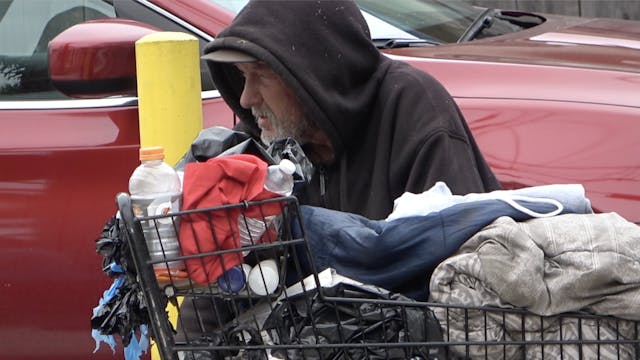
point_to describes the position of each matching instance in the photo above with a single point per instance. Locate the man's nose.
(250, 95)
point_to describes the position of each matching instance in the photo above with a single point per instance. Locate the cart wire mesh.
(249, 289)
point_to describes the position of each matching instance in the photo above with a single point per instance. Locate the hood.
(604, 44)
(321, 49)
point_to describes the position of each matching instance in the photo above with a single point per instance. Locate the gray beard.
(280, 133)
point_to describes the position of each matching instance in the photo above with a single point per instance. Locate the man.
(373, 127)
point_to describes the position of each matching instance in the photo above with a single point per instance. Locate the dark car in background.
(550, 99)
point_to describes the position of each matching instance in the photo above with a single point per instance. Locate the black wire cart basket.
(242, 285)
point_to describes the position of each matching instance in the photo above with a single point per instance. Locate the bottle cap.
(263, 278)
(152, 153)
(287, 166)
(233, 280)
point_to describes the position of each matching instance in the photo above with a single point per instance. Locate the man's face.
(278, 112)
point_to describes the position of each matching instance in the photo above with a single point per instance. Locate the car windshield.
(427, 22)
(438, 21)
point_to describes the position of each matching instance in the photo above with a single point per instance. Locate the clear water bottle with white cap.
(279, 177)
(279, 180)
(155, 189)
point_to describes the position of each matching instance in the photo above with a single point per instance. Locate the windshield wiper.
(399, 43)
(481, 22)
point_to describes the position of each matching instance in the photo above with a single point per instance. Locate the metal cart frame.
(306, 319)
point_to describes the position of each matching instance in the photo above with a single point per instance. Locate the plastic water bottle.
(279, 180)
(279, 177)
(155, 189)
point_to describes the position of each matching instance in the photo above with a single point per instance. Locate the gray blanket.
(550, 266)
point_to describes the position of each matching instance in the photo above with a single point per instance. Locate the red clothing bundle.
(219, 181)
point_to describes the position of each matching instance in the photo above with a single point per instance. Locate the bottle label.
(161, 208)
(144, 206)
(161, 233)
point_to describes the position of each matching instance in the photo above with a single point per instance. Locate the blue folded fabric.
(398, 255)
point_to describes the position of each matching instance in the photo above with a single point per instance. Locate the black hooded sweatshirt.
(393, 128)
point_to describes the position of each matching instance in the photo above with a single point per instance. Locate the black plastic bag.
(357, 318)
(122, 311)
(291, 150)
(218, 141)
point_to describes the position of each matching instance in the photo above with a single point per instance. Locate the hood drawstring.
(343, 181)
(322, 177)
(323, 189)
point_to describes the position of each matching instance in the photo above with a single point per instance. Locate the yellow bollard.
(169, 92)
(169, 99)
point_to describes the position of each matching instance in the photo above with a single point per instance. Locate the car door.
(62, 161)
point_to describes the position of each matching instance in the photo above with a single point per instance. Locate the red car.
(550, 99)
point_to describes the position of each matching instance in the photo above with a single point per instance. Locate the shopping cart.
(227, 311)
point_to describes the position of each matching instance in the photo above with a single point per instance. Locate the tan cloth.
(586, 262)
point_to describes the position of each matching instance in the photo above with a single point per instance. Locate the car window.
(443, 21)
(26, 27)
(440, 20)
(379, 28)
(232, 5)
(432, 21)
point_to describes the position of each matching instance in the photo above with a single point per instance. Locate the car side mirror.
(96, 58)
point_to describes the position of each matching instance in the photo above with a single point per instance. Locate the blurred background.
(621, 9)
